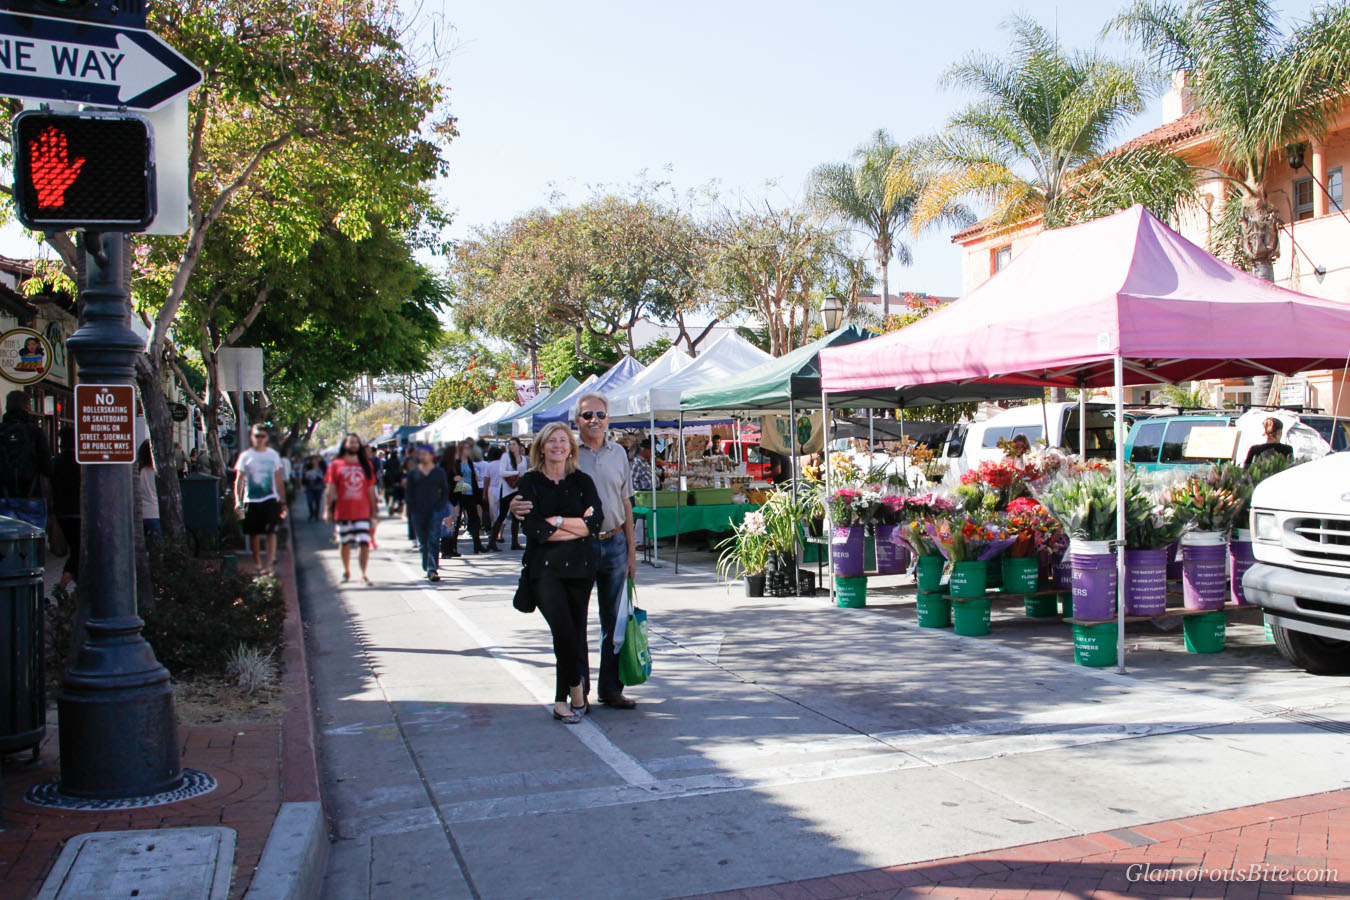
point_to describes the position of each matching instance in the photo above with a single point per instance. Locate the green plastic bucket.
(968, 579)
(971, 617)
(1205, 634)
(935, 610)
(928, 573)
(1021, 575)
(1044, 606)
(851, 593)
(1095, 645)
(1270, 635)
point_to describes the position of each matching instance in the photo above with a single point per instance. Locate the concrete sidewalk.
(778, 740)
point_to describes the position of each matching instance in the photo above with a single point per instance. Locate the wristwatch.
(557, 521)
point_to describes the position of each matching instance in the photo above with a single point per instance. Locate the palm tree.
(1259, 90)
(1033, 144)
(855, 194)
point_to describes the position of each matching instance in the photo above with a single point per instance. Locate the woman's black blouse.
(568, 498)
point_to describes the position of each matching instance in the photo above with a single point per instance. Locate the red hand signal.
(53, 170)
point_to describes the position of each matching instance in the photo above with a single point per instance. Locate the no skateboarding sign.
(105, 423)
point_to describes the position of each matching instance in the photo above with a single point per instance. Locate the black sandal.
(573, 719)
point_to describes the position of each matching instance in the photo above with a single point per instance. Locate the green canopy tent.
(540, 403)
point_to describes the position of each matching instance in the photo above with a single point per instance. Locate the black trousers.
(505, 513)
(469, 508)
(564, 602)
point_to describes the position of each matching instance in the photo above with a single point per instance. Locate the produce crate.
(663, 498)
(710, 496)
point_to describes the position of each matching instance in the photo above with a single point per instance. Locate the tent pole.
(825, 457)
(904, 457)
(679, 484)
(1045, 422)
(656, 553)
(792, 473)
(1120, 514)
(871, 438)
(1082, 421)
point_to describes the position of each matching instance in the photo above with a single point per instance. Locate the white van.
(981, 439)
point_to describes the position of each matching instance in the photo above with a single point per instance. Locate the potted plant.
(1240, 557)
(746, 552)
(849, 511)
(1083, 501)
(1152, 526)
(1210, 509)
(1037, 537)
(968, 543)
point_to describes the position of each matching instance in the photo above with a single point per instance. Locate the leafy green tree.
(479, 385)
(560, 359)
(650, 353)
(1259, 88)
(1043, 114)
(311, 116)
(773, 262)
(856, 194)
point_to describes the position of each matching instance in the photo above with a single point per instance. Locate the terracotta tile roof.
(1180, 129)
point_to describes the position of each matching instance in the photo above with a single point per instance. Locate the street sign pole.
(117, 731)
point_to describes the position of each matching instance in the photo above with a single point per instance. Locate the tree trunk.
(1261, 239)
(885, 287)
(159, 423)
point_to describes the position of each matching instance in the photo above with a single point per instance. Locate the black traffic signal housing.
(127, 13)
(83, 170)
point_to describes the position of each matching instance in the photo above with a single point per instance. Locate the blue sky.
(559, 97)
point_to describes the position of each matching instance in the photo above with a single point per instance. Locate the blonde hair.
(537, 447)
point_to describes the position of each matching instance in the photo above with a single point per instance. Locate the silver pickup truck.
(1301, 580)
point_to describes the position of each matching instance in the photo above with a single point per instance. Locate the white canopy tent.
(659, 395)
(487, 416)
(446, 420)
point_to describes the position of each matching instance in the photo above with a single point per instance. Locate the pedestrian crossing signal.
(83, 170)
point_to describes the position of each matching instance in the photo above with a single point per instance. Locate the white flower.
(754, 524)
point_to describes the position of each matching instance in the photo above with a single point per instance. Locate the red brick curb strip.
(296, 854)
(1295, 848)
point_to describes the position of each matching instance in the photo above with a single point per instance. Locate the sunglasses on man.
(600, 414)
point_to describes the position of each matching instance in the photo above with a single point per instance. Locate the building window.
(1335, 188)
(1002, 256)
(1303, 199)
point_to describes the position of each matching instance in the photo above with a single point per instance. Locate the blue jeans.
(314, 497)
(611, 580)
(427, 527)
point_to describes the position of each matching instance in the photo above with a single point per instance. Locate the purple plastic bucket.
(1204, 570)
(1063, 573)
(1240, 559)
(1145, 582)
(1094, 580)
(848, 550)
(892, 552)
(1174, 561)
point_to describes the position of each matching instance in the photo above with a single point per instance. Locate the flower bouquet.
(852, 506)
(1151, 523)
(1084, 503)
(1033, 529)
(968, 539)
(1204, 503)
(992, 486)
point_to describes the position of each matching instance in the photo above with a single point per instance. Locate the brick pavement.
(257, 766)
(1210, 854)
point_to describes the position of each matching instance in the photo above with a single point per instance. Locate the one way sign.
(76, 62)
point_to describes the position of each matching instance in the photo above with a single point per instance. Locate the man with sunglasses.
(606, 462)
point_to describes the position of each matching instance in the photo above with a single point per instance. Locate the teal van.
(1160, 442)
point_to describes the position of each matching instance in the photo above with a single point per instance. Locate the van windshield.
(1101, 434)
(994, 434)
(1335, 432)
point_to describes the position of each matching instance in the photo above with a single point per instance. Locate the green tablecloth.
(718, 518)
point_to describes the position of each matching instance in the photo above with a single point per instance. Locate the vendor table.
(718, 518)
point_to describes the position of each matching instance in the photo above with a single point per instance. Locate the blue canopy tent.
(618, 375)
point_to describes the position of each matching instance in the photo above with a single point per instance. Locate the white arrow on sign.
(130, 67)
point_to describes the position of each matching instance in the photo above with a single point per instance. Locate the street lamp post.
(117, 732)
(832, 313)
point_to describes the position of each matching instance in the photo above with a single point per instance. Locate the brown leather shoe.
(619, 701)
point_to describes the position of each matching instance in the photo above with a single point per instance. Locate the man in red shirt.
(352, 503)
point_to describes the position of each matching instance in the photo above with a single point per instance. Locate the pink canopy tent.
(1077, 298)
(1121, 300)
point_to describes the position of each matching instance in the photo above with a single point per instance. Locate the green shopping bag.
(635, 659)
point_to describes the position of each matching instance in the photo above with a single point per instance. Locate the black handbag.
(524, 598)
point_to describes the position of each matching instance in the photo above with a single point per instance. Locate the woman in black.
(427, 490)
(561, 556)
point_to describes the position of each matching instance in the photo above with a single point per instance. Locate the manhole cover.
(48, 793)
(159, 864)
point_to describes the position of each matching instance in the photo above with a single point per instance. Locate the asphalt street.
(778, 739)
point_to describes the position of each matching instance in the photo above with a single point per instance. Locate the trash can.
(201, 507)
(23, 700)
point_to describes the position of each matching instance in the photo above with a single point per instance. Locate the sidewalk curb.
(293, 861)
(295, 857)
